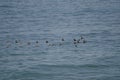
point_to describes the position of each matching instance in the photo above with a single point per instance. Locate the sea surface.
(26, 25)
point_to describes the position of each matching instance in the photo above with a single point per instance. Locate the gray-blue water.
(28, 21)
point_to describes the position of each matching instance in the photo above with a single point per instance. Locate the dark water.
(40, 20)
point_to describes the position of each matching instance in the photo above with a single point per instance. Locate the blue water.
(28, 21)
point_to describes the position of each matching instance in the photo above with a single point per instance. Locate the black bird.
(74, 39)
(75, 42)
(82, 37)
(46, 41)
(37, 42)
(60, 44)
(16, 41)
(84, 41)
(28, 43)
(75, 45)
(63, 39)
(78, 41)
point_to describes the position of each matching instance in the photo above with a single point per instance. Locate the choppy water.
(40, 20)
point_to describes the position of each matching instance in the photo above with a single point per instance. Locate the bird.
(63, 39)
(46, 41)
(78, 41)
(60, 44)
(74, 39)
(75, 42)
(84, 41)
(28, 43)
(16, 41)
(75, 45)
(82, 38)
(37, 42)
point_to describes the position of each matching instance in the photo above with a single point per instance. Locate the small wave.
(76, 66)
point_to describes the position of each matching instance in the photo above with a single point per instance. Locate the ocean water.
(28, 21)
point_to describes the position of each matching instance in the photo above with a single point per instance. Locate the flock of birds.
(75, 42)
